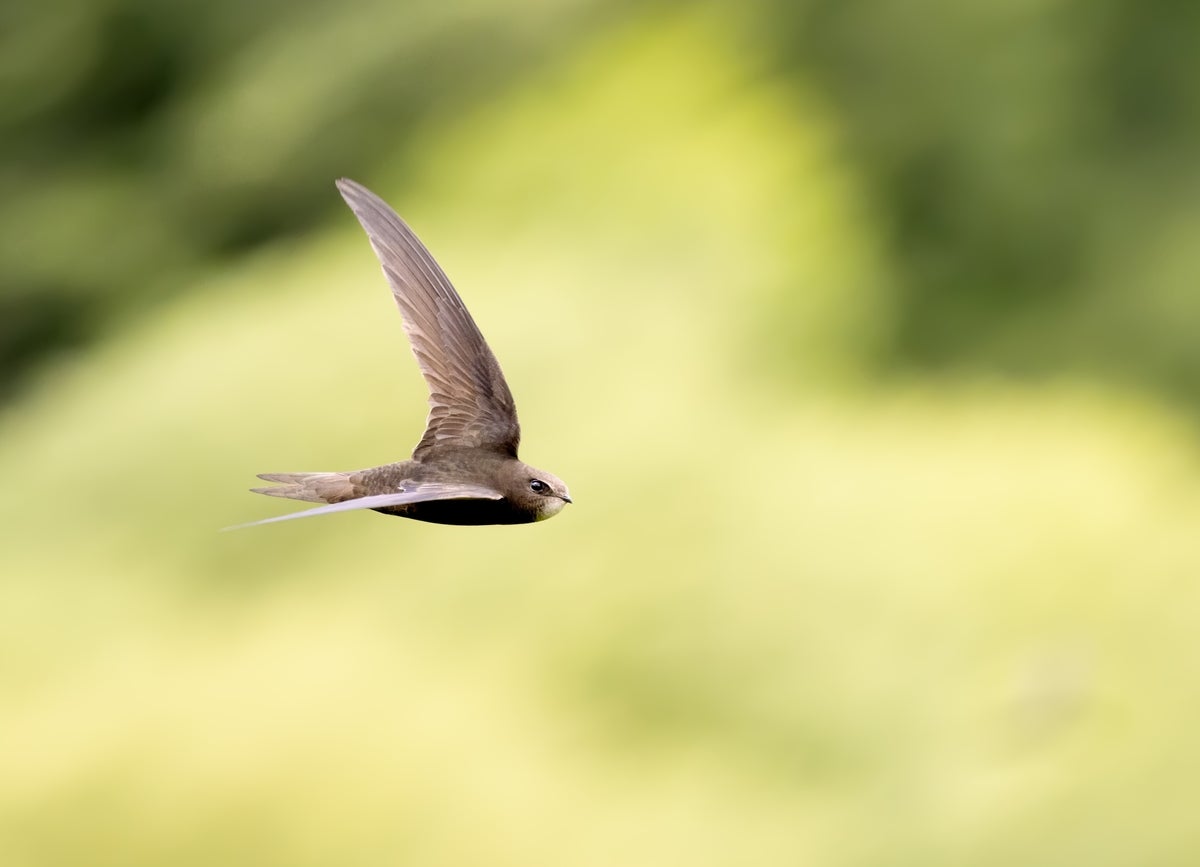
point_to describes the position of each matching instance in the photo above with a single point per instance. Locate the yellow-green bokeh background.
(819, 600)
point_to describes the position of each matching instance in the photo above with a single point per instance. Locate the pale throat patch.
(550, 508)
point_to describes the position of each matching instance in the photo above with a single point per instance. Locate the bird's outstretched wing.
(469, 401)
(422, 493)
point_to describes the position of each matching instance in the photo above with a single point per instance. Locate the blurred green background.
(863, 332)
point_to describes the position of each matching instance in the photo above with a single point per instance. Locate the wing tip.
(352, 191)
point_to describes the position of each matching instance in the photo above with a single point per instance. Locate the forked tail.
(313, 487)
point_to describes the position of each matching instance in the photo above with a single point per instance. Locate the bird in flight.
(465, 469)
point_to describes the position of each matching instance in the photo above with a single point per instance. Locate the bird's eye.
(537, 486)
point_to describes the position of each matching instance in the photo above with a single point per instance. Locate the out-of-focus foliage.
(1034, 164)
(799, 613)
(142, 141)
(1028, 167)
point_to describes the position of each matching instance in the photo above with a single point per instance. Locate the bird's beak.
(565, 498)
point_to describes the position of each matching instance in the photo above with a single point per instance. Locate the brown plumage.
(465, 468)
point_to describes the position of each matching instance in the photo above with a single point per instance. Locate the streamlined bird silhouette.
(465, 469)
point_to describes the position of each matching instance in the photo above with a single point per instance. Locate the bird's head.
(541, 492)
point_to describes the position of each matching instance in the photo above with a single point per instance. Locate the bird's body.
(465, 469)
(451, 467)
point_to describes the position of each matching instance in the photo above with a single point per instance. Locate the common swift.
(465, 469)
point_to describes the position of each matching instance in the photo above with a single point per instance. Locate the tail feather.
(312, 487)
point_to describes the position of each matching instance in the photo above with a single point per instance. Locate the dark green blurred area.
(863, 334)
(143, 142)
(1031, 165)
